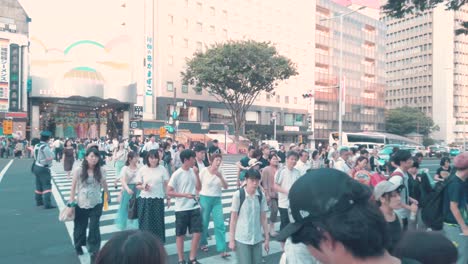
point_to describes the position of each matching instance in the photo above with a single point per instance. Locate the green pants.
(212, 205)
(118, 167)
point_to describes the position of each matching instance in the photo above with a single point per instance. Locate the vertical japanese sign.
(14, 77)
(149, 65)
(4, 74)
(4, 61)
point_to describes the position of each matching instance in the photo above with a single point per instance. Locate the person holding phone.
(152, 182)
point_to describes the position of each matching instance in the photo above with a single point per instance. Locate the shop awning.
(219, 137)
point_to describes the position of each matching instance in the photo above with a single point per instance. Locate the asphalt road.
(30, 234)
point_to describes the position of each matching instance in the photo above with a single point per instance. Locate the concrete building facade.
(427, 68)
(180, 28)
(363, 70)
(14, 66)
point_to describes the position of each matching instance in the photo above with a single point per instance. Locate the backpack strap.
(242, 197)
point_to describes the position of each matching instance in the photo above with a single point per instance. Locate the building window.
(225, 14)
(212, 11)
(170, 86)
(185, 43)
(288, 119)
(212, 29)
(295, 100)
(184, 88)
(252, 117)
(225, 33)
(199, 46)
(171, 41)
(199, 7)
(286, 99)
(171, 19)
(268, 97)
(170, 60)
(278, 99)
(217, 115)
(186, 3)
(186, 23)
(199, 26)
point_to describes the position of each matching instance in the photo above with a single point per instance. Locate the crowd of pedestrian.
(335, 205)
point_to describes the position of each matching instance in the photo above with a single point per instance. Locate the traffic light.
(7, 127)
(308, 95)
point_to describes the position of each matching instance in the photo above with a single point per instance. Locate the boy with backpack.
(248, 217)
(454, 207)
(404, 161)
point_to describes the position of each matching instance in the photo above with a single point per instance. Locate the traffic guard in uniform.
(43, 157)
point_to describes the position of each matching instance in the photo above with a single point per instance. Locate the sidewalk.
(29, 234)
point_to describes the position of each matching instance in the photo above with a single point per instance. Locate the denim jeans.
(452, 232)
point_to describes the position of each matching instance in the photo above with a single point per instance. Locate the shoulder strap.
(242, 197)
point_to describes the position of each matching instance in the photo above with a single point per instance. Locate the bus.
(370, 139)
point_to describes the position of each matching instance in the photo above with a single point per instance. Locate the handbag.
(132, 208)
(67, 214)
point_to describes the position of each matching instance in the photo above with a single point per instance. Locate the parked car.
(454, 151)
(433, 151)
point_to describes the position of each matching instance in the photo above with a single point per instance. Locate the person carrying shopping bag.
(129, 180)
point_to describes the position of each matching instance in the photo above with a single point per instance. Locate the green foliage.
(427, 141)
(405, 120)
(401, 8)
(235, 73)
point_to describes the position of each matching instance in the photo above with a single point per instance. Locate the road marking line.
(5, 170)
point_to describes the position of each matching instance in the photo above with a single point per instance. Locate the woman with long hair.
(152, 181)
(87, 185)
(268, 182)
(68, 157)
(128, 179)
(212, 183)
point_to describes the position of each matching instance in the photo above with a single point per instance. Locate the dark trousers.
(82, 217)
(58, 154)
(284, 217)
(43, 185)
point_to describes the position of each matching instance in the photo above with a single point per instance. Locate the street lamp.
(340, 103)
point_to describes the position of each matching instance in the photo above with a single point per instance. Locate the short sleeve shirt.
(155, 178)
(130, 174)
(211, 185)
(245, 161)
(214, 150)
(184, 181)
(456, 192)
(264, 162)
(249, 226)
(285, 178)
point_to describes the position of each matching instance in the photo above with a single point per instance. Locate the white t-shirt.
(184, 181)
(155, 178)
(150, 146)
(341, 165)
(201, 165)
(130, 174)
(211, 185)
(303, 167)
(285, 178)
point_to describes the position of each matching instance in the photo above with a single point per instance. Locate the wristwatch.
(72, 204)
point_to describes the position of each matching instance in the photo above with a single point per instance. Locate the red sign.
(16, 114)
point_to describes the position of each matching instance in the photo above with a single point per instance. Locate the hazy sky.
(59, 23)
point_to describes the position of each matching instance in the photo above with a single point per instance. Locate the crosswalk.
(61, 191)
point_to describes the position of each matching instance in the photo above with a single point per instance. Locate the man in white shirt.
(184, 185)
(284, 179)
(342, 164)
(332, 150)
(303, 163)
(152, 144)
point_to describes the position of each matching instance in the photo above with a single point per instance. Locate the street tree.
(400, 8)
(405, 120)
(236, 72)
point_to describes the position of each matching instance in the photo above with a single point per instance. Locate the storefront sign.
(149, 65)
(134, 124)
(193, 114)
(4, 61)
(16, 115)
(14, 77)
(291, 128)
(138, 111)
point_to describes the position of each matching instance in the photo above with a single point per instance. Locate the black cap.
(320, 193)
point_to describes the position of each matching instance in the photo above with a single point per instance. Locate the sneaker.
(194, 261)
(182, 262)
(50, 207)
